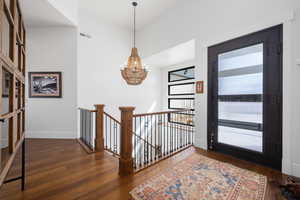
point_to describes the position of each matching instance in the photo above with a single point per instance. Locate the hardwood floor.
(61, 169)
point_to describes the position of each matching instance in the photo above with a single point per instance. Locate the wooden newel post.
(99, 139)
(126, 160)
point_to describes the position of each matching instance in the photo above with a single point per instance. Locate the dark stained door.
(245, 97)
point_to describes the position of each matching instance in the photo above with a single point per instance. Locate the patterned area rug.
(201, 178)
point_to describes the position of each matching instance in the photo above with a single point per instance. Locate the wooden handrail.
(114, 119)
(160, 113)
(126, 134)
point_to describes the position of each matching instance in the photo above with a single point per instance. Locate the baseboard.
(286, 166)
(200, 144)
(296, 169)
(51, 134)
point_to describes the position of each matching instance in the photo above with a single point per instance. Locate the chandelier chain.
(134, 22)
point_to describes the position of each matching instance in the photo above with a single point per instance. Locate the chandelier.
(134, 73)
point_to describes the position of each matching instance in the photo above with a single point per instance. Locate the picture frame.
(45, 84)
(200, 87)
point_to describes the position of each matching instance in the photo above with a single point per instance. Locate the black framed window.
(182, 89)
(181, 95)
(181, 103)
(182, 118)
(182, 74)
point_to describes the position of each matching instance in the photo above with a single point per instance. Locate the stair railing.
(112, 130)
(99, 131)
(138, 140)
(151, 137)
(87, 129)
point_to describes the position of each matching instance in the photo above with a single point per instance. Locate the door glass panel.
(241, 58)
(247, 139)
(241, 111)
(240, 83)
(243, 84)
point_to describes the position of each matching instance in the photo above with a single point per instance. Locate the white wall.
(69, 8)
(210, 21)
(214, 21)
(295, 95)
(99, 76)
(53, 49)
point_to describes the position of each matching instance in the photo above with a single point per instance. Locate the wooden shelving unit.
(12, 87)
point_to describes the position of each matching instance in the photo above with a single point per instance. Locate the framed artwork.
(200, 87)
(45, 85)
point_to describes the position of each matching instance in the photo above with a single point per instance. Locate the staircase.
(138, 140)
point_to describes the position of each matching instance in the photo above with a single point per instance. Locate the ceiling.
(176, 55)
(119, 12)
(41, 13)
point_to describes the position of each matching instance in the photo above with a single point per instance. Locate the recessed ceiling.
(119, 12)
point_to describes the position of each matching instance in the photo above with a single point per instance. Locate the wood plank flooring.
(62, 170)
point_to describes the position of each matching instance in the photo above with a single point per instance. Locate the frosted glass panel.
(245, 84)
(240, 78)
(182, 89)
(241, 71)
(241, 111)
(247, 139)
(245, 57)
